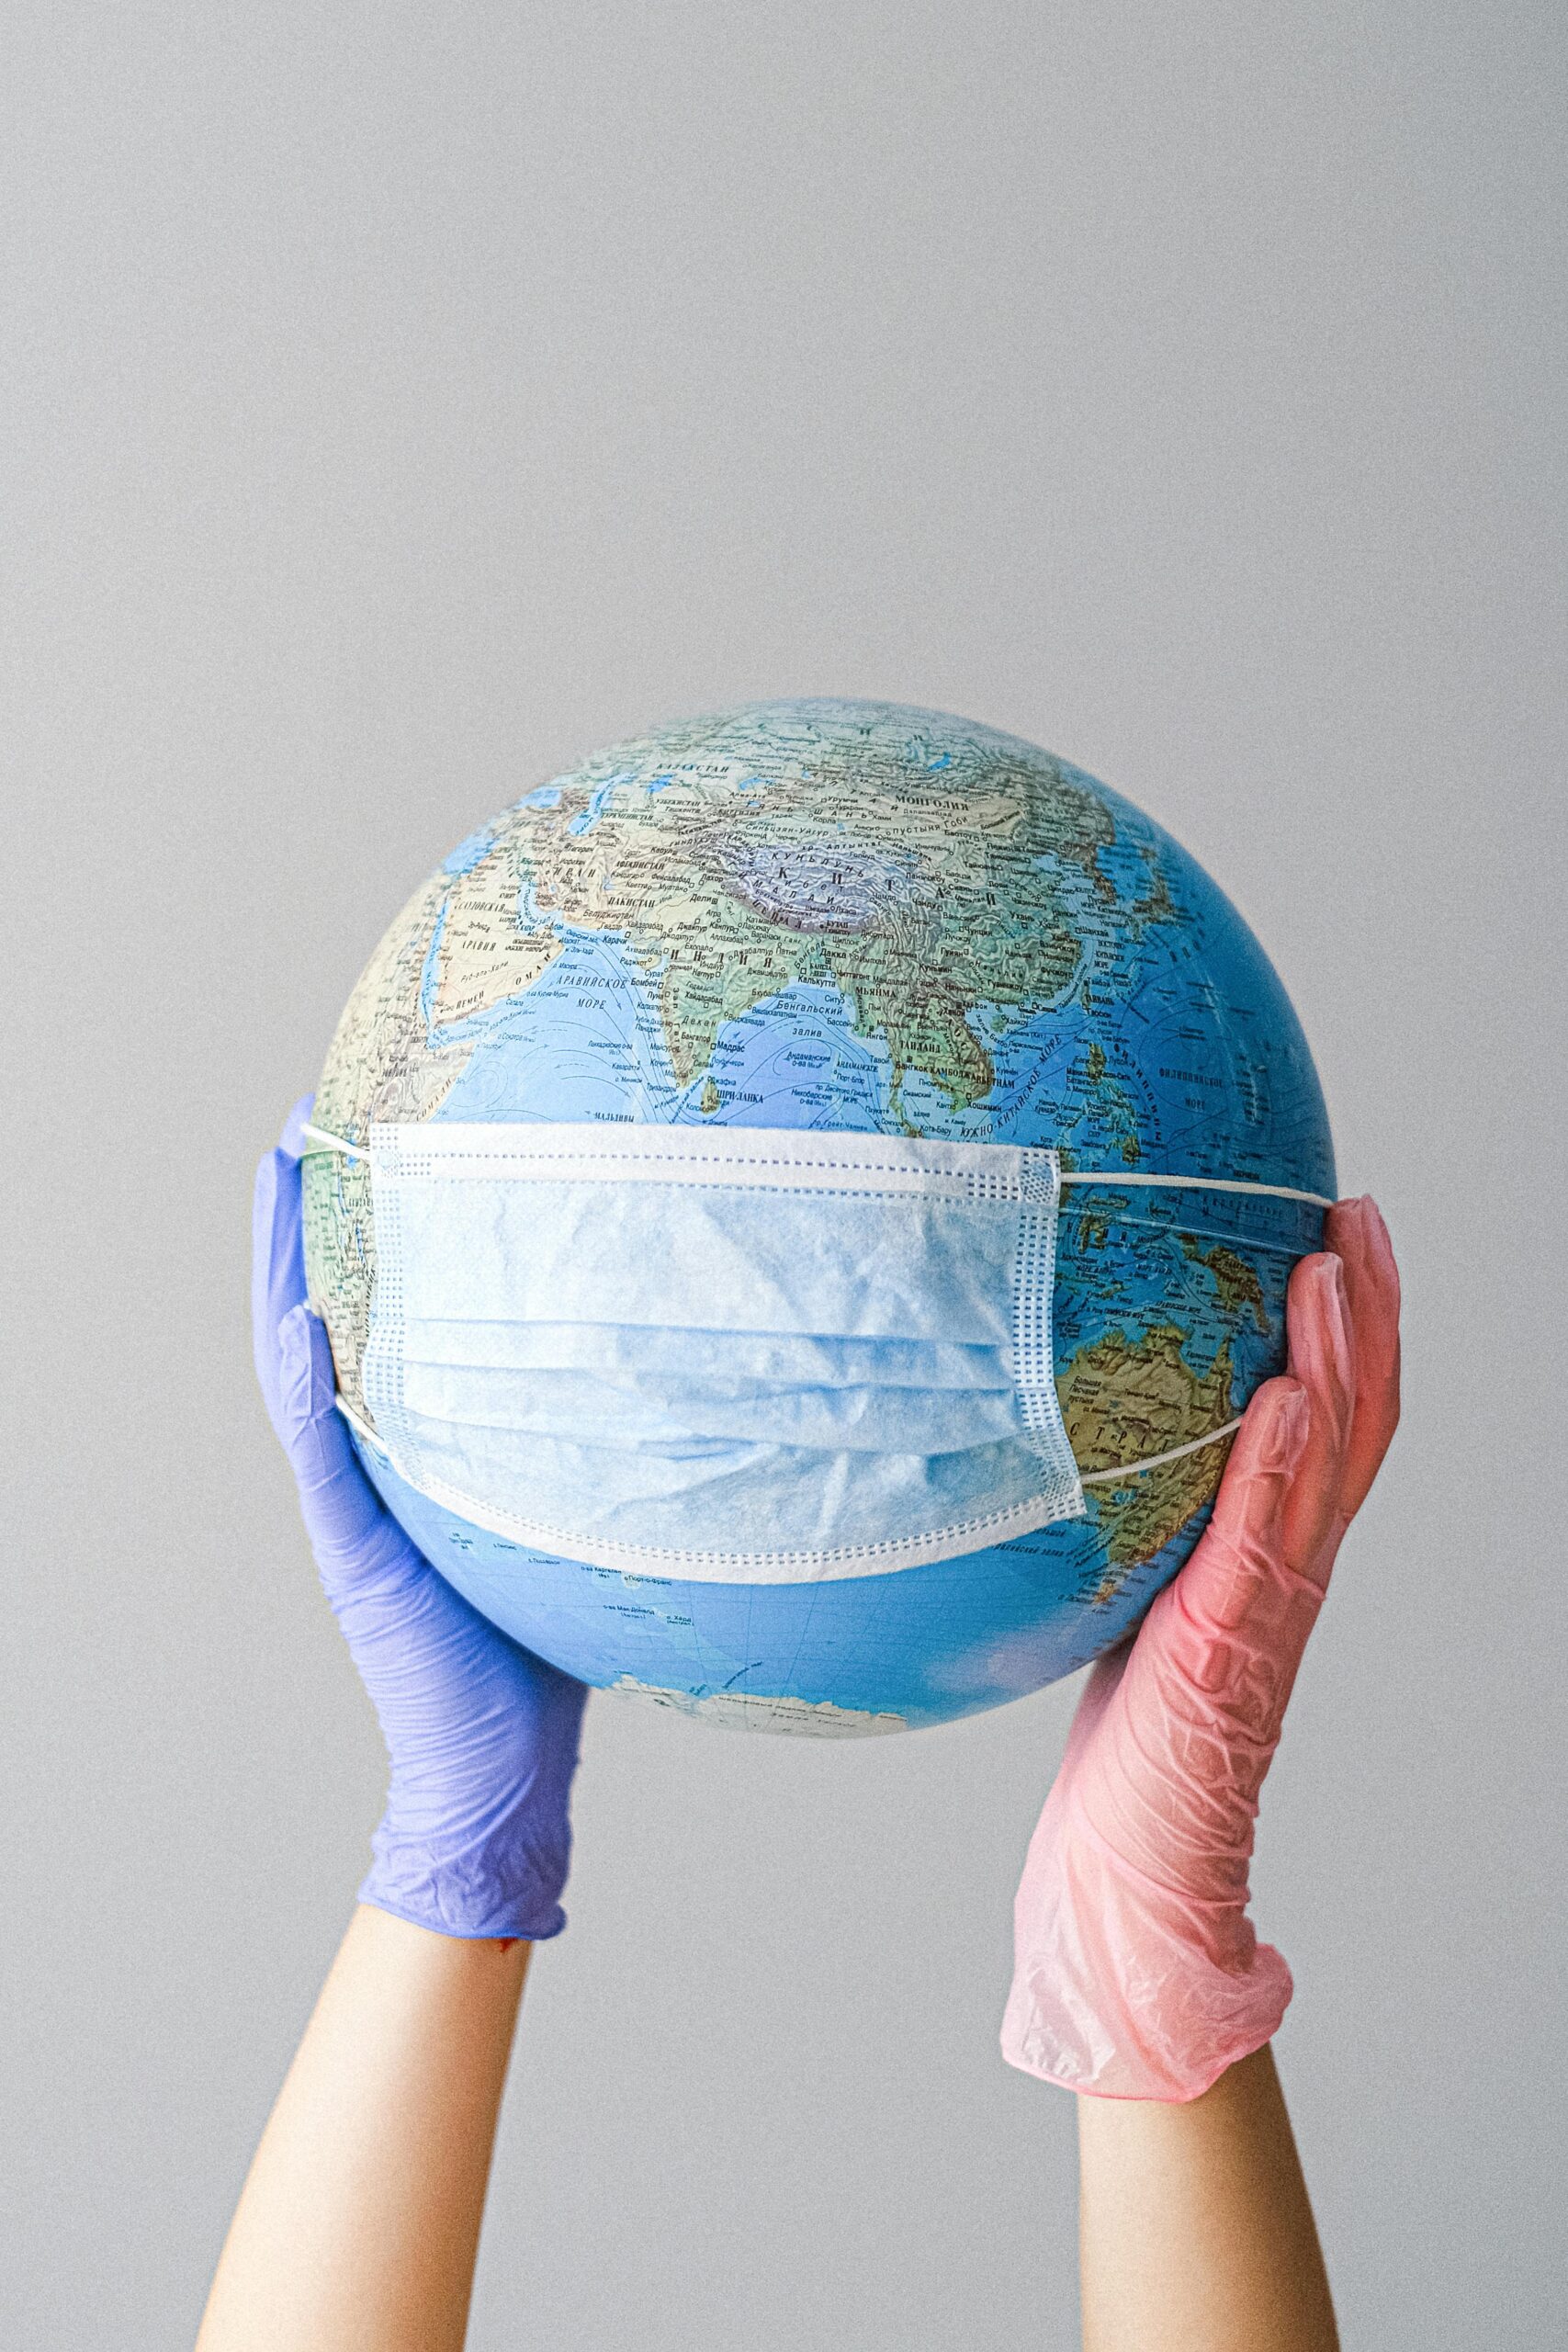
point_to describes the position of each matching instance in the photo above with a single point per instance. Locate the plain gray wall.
(402, 400)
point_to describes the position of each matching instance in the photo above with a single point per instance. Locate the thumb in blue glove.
(482, 1735)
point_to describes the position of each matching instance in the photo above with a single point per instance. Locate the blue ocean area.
(927, 1643)
(584, 1043)
(797, 1061)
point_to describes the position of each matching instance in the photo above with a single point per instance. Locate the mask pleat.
(886, 1416)
(849, 1265)
(642, 1370)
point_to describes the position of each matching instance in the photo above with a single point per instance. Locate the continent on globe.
(854, 916)
(743, 1710)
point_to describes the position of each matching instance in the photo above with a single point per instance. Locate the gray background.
(402, 400)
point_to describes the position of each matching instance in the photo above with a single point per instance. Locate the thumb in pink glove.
(1137, 1973)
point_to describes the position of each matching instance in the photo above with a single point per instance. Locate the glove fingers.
(1357, 1233)
(278, 1255)
(292, 1139)
(1244, 1541)
(1323, 1359)
(340, 1509)
(482, 1735)
(1137, 1971)
(278, 1266)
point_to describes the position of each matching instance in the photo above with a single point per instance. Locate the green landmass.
(976, 918)
(1125, 1400)
(1235, 1283)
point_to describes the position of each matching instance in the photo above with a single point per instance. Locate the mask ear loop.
(1180, 1184)
(1114, 1180)
(327, 1141)
(1155, 1461)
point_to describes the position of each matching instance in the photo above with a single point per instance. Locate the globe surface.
(855, 916)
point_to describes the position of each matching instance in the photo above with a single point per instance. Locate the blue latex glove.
(482, 1735)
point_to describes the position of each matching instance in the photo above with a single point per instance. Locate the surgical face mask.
(738, 1356)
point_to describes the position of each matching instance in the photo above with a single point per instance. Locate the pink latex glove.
(1137, 1973)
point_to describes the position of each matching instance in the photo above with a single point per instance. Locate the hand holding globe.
(819, 1219)
(834, 825)
(1138, 1974)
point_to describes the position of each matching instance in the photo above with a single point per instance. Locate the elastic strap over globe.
(329, 1142)
(1111, 1177)
(1157, 1461)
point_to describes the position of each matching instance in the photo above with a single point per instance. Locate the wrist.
(481, 1955)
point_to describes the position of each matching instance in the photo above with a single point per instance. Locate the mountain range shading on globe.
(857, 917)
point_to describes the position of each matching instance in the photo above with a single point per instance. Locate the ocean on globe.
(855, 917)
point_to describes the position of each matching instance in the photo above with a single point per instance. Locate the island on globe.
(856, 917)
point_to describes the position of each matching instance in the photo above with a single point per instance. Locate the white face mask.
(733, 1355)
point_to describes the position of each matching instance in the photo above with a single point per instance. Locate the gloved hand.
(1137, 1973)
(482, 1735)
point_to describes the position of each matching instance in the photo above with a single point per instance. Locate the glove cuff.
(1201, 1994)
(464, 1895)
(420, 1917)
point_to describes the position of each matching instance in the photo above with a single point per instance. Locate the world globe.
(864, 918)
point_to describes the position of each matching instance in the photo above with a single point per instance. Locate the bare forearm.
(360, 2224)
(1195, 2229)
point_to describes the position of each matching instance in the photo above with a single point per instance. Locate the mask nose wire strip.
(1113, 1179)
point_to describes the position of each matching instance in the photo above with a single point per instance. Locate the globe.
(857, 917)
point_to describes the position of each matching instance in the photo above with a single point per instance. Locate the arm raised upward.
(1139, 1981)
(360, 2223)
